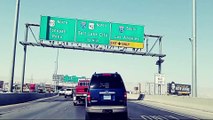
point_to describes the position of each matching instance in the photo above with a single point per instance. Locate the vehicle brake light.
(106, 74)
(125, 96)
(88, 97)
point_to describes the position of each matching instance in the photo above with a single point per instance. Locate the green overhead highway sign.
(66, 78)
(91, 32)
(58, 29)
(127, 35)
(72, 79)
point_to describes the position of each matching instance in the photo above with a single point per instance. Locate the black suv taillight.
(88, 97)
(125, 96)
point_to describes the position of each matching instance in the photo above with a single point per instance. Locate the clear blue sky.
(170, 18)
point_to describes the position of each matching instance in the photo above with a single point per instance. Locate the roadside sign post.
(159, 80)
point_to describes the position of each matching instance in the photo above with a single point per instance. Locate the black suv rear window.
(102, 82)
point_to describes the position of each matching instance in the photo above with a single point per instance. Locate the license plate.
(107, 111)
(107, 97)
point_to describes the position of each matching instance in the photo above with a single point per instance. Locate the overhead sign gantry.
(97, 36)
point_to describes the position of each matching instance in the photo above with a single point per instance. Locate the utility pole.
(15, 41)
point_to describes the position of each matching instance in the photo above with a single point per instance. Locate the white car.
(68, 92)
(61, 92)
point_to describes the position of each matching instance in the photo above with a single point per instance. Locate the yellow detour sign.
(126, 44)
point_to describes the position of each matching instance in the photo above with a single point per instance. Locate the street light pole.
(56, 70)
(15, 41)
(194, 50)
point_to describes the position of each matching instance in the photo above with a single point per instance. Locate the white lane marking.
(154, 117)
(145, 117)
(158, 117)
(167, 110)
(172, 117)
(163, 117)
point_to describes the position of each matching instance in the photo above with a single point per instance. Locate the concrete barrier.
(132, 96)
(203, 104)
(15, 98)
(141, 97)
(201, 108)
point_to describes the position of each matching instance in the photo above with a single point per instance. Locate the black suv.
(106, 95)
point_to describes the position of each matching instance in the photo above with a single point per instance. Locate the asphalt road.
(62, 108)
(54, 108)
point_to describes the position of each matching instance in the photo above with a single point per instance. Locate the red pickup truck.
(81, 91)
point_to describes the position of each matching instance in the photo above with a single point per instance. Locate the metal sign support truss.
(92, 47)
